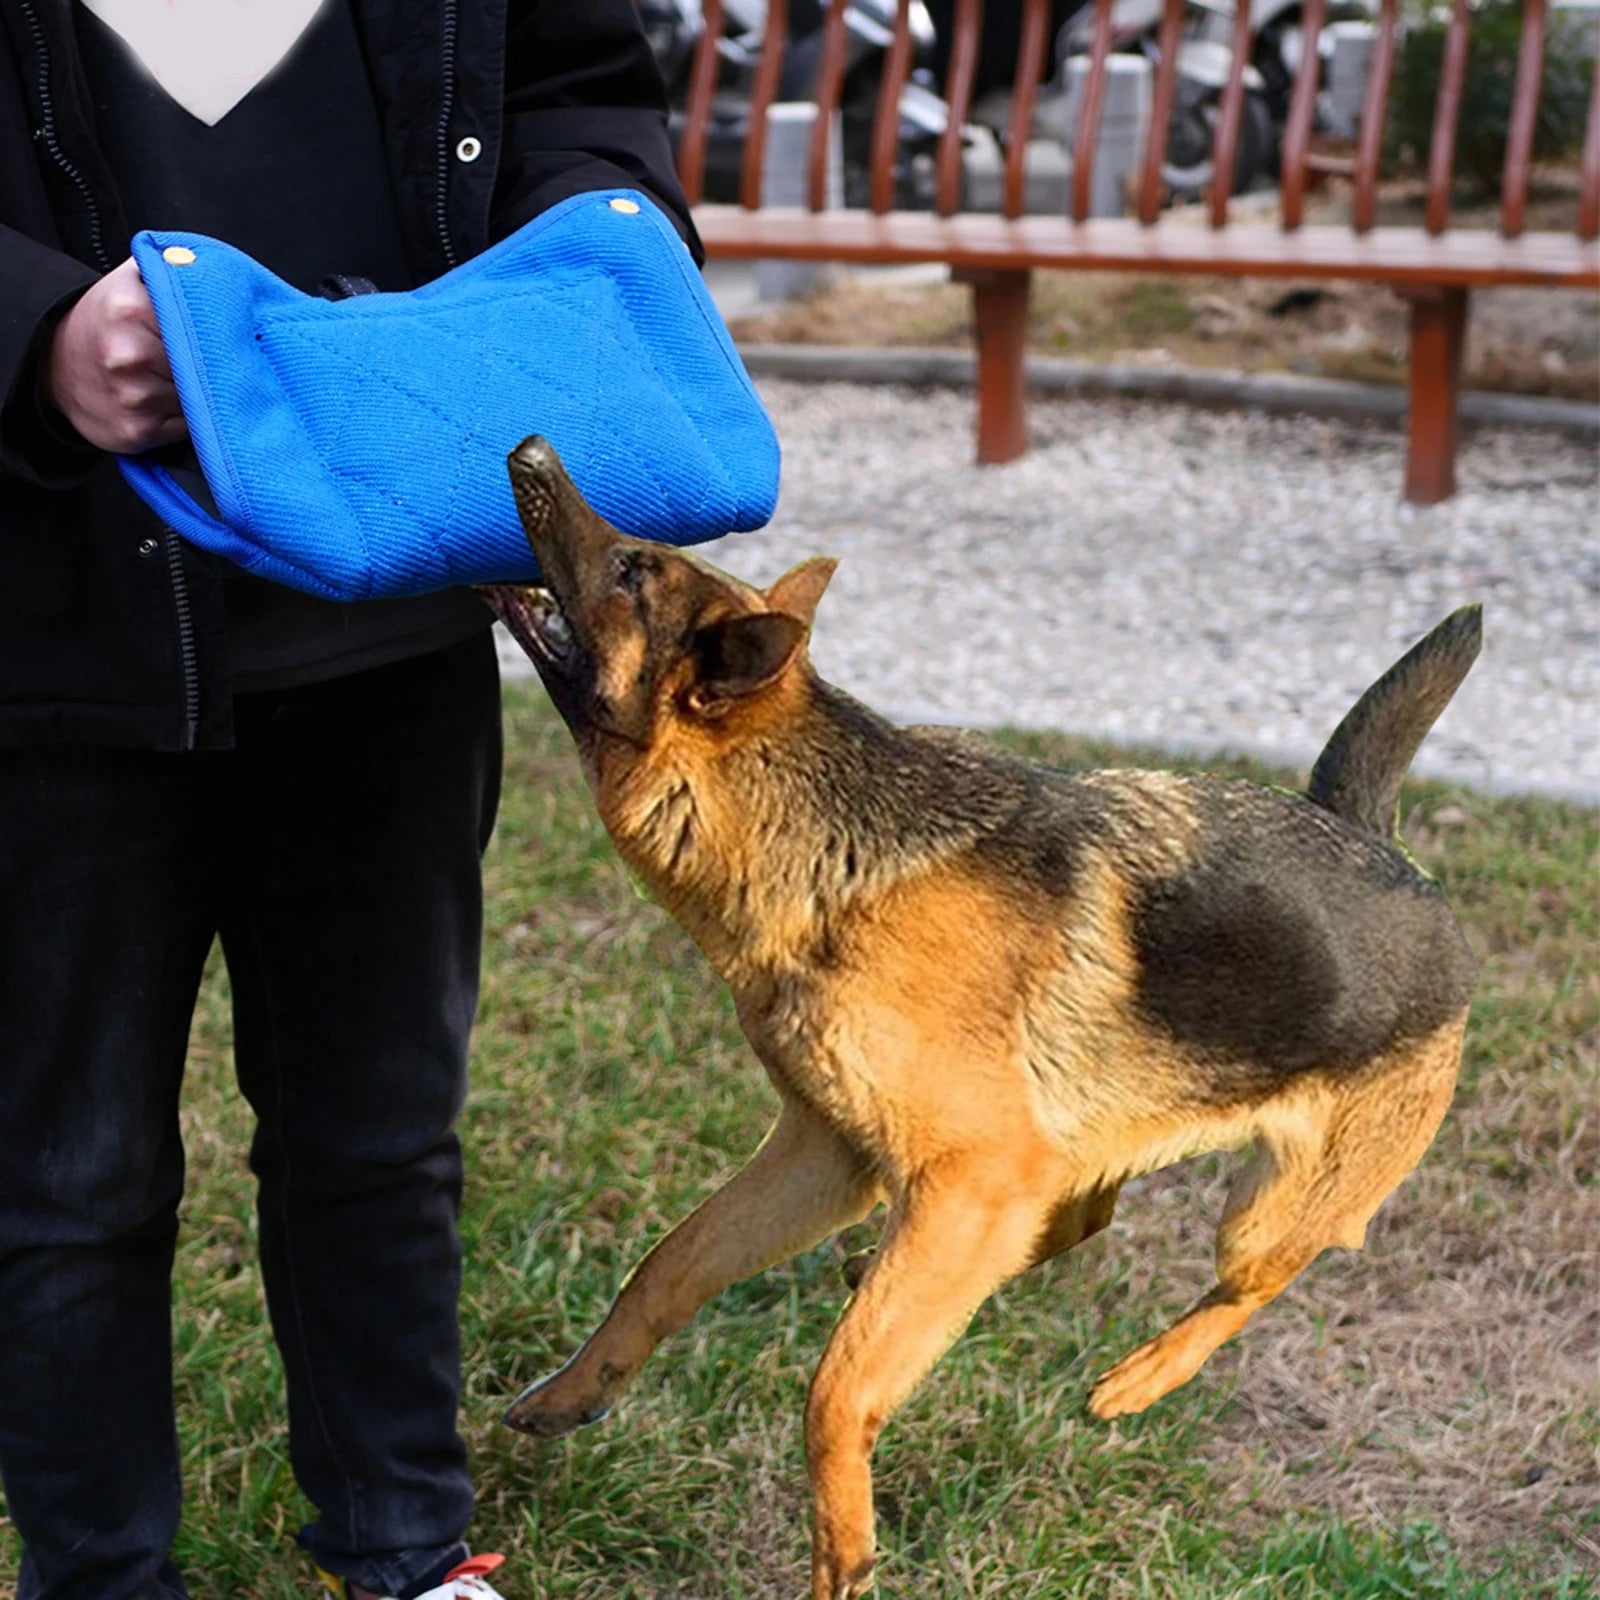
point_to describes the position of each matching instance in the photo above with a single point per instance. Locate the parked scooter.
(1205, 58)
(674, 28)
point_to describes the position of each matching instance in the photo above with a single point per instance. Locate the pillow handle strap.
(344, 286)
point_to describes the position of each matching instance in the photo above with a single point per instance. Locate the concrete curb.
(1054, 375)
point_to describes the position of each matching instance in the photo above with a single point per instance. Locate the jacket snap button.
(469, 149)
(148, 547)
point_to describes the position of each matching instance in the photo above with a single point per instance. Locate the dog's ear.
(739, 655)
(800, 588)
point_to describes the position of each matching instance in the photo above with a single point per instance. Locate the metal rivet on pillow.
(627, 207)
(177, 255)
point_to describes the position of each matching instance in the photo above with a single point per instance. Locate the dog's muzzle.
(535, 618)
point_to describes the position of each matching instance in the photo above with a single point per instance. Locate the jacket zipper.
(47, 132)
(186, 646)
(188, 655)
(441, 208)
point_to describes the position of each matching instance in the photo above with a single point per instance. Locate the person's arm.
(82, 366)
(584, 110)
(107, 372)
(38, 287)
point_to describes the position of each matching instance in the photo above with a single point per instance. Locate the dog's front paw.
(836, 1580)
(554, 1406)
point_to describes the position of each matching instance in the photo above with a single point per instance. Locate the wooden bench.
(1434, 266)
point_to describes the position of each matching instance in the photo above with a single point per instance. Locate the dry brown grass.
(1439, 1378)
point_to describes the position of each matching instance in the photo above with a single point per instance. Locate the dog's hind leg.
(1316, 1181)
(1080, 1217)
(802, 1185)
(955, 1236)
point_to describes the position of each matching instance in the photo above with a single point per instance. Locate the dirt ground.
(1441, 1389)
(1525, 341)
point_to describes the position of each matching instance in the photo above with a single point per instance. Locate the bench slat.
(1447, 116)
(1151, 190)
(753, 171)
(697, 122)
(1296, 148)
(1024, 96)
(1374, 109)
(1087, 137)
(1589, 184)
(958, 97)
(1232, 113)
(1386, 255)
(1524, 109)
(827, 92)
(886, 123)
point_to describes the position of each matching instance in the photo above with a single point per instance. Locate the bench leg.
(1000, 311)
(1438, 331)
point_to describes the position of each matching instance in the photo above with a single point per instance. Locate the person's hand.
(107, 372)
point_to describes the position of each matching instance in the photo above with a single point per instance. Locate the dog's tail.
(1358, 775)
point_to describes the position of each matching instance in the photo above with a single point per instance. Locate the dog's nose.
(534, 455)
(557, 519)
(547, 500)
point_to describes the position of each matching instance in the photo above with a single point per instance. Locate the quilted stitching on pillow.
(357, 448)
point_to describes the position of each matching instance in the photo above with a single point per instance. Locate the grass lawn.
(1418, 1421)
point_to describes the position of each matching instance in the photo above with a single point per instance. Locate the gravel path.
(1197, 581)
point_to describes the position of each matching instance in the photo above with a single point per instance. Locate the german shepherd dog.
(986, 992)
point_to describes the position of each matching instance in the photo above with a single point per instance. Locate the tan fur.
(949, 1032)
(1329, 1156)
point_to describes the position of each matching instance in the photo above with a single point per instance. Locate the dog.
(985, 991)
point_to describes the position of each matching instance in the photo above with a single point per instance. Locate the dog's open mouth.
(536, 620)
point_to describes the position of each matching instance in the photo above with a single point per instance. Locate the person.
(187, 754)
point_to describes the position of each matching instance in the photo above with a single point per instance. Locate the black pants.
(336, 851)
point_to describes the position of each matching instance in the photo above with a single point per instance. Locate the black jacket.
(111, 628)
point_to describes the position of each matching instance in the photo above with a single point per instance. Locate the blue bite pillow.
(357, 448)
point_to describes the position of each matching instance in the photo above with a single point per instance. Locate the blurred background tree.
(1490, 83)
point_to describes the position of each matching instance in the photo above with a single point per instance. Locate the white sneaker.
(466, 1582)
